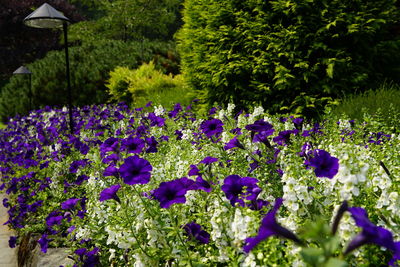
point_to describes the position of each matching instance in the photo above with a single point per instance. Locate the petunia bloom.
(270, 227)
(110, 193)
(12, 242)
(44, 243)
(132, 145)
(325, 165)
(234, 142)
(171, 192)
(69, 204)
(237, 189)
(195, 232)
(135, 170)
(213, 127)
(259, 126)
(370, 234)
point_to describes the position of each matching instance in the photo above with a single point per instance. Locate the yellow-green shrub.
(139, 86)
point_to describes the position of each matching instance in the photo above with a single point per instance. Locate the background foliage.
(145, 84)
(287, 55)
(90, 67)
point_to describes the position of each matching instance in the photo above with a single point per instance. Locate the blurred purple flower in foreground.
(269, 227)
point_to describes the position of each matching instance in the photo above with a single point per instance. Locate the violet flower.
(12, 242)
(370, 234)
(171, 192)
(135, 170)
(260, 126)
(270, 227)
(325, 165)
(195, 232)
(237, 189)
(212, 127)
(110, 193)
(209, 160)
(44, 243)
(132, 145)
(69, 204)
(234, 142)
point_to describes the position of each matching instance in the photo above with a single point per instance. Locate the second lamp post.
(48, 17)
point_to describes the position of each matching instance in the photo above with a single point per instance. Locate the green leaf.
(313, 256)
(334, 262)
(329, 70)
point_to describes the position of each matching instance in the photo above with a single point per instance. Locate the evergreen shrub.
(90, 65)
(289, 56)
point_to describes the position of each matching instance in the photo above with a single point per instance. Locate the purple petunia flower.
(12, 242)
(75, 165)
(269, 227)
(172, 192)
(370, 234)
(69, 204)
(283, 137)
(209, 160)
(396, 255)
(155, 120)
(194, 232)
(111, 171)
(44, 243)
(132, 145)
(234, 142)
(203, 184)
(237, 189)
(325, 165)
(262, 137)
(175, 111)
(135, 170)
(194, 170)
(110, 193)
(260, 126)
(151, 145)
(212, 127)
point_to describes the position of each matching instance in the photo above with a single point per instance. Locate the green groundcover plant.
(156, 187)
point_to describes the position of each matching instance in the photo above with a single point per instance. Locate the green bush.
(289, 56)
(90, 66)
(139, 86)
(381, 105)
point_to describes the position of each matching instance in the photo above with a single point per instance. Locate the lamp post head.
(22, 70)
(46, 17)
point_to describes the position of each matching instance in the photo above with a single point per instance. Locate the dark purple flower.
(258, 204)
(151, 145)
(325, 165)
(269, 227)
(283, 137)
(135, 170)
(195, 232)
(113, 158)
(370, 234)
(262, 137)
(212, 111)
(260, 126)
(234, 142)
(81, 178)
(53, 220)
(203, 184)
(12, 242)
(111, 171)
(172, 192)
(208, 160)
(111, 144)
(44, 243)
(73, 168)
(110, 193)
(237, 189)
(69, 204)
(396, 255)
(212, 127)
(132, 145)
(175, 111)
(194, 170)
(155, 120)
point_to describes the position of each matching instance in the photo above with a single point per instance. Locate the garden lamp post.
(25, 71)
(47, 17)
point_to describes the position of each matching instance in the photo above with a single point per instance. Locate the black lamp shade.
(46, 16)
(22, 70)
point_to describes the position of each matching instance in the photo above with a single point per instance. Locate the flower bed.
(151, 187)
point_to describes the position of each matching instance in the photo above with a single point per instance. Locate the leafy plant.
(272, 52)
(137, 87)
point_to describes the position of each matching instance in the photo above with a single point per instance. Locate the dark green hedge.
(90, 66)
(288, 55)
